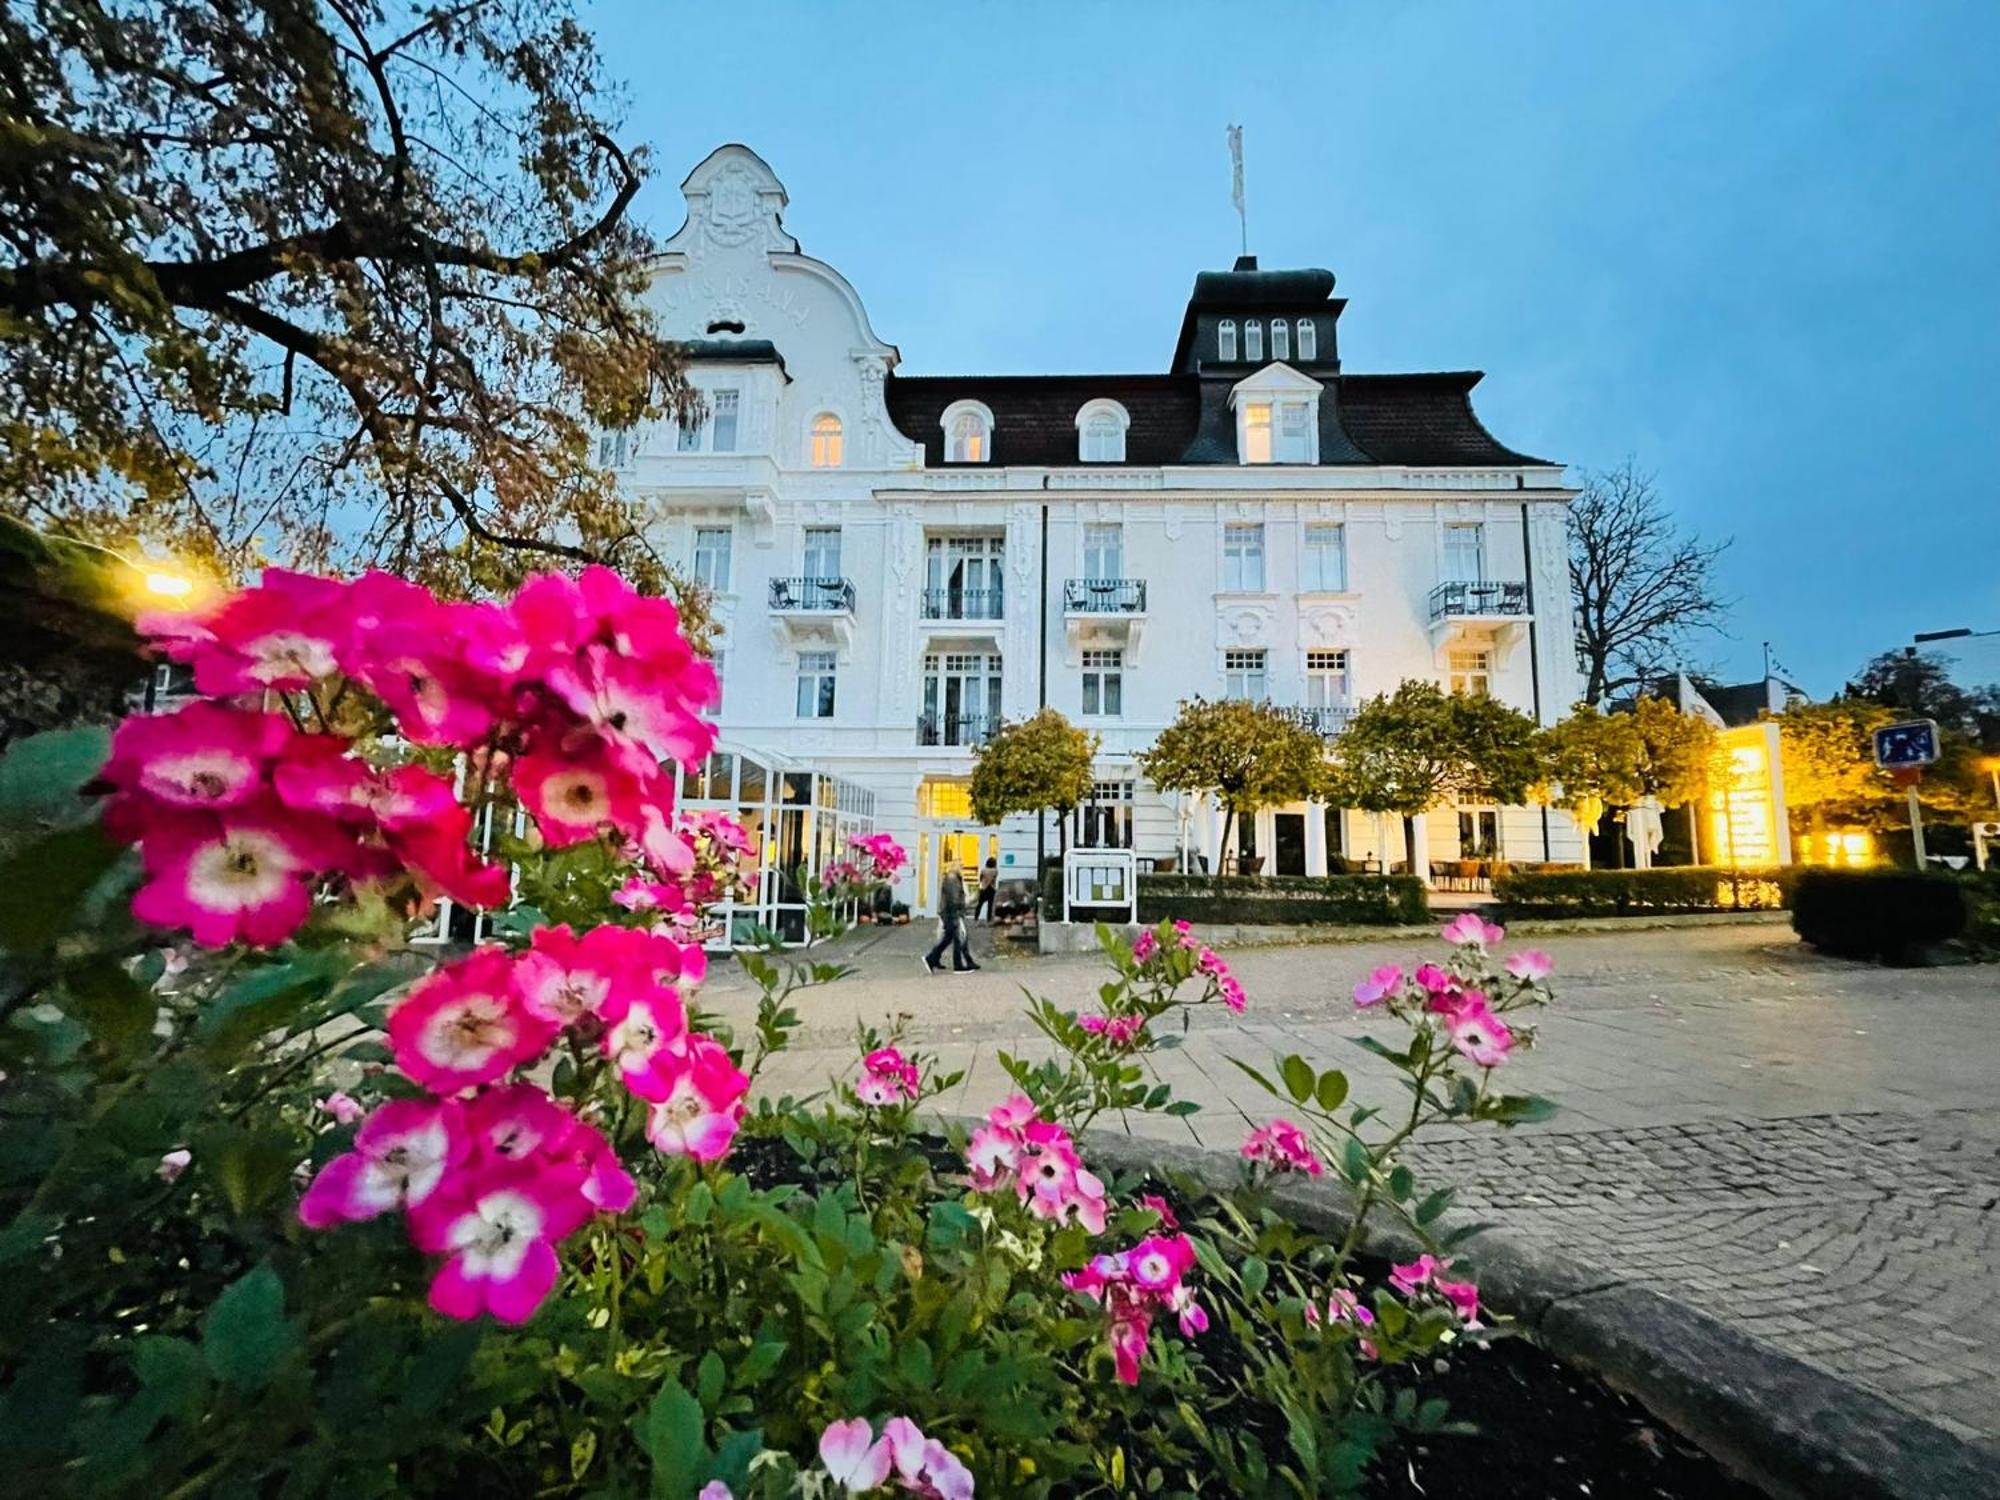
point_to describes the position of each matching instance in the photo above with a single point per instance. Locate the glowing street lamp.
(166, 585)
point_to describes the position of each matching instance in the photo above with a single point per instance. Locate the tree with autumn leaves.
(1035, 764)
(1246, 755)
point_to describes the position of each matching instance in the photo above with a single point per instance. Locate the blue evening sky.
(1754, 245)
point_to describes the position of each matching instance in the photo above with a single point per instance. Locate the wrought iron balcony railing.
(955, 729)
(962, 604)
(1327, 721)
(1104, 596)
(830, 596)
(1486, 598)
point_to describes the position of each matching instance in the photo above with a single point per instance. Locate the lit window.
(1281, 339)
(1308, 340)
(723, 406)
(1243, 559)
(711, 557)
(1465, 553)
(1225, 341)
(1253, 339)
(1327, 683)
(968, 433)
(1243, 675)
(1479, 833)
(1103, 551)
(1294, 433)
(816, 677)
(826, 441)
(1103, 683)
(1323, 569)
(1103, 439)
(1257, 432)
(1471, 672)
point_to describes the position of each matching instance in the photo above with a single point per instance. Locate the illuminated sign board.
(1746, 801)
(1907, 745)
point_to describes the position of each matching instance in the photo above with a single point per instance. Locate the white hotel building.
(899, 563)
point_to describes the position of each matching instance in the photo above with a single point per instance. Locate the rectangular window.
(1478, 833)
(822, 552)
(724, 406)
(1243, 675)
(1243, 559)
(711, 557)
(1253, 339)
(1103, 684)
(1104, 821)
(614, 449)
(1323, 569)
(1471, 672)
(1104, 551)
(816, 676)
(1327, 683)
(1294, 432)
(961, 699)
(964, 578)
(1257, 432)
(1465, 553)
(689, 440)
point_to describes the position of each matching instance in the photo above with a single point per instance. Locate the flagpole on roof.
(1236, 183)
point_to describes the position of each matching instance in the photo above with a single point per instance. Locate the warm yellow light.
(167, 585)
(1742, 807)
(1844, 848)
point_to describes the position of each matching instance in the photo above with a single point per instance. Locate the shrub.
(1264, 900)
(1618, 893)
(1890, 915)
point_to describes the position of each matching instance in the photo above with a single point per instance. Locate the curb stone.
(1794, 1430)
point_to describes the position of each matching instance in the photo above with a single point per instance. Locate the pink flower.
(1128, 1347)
(991, 1154)
(1159, 1263)
(245, 876)
(853, 1459)
(498, 1231)
(1408, 1278)
(1379, 985)
(286, 633)
(643, 1038)
(1159, 1205)
(1434, 979)
(1145, 946)
(1463, 1297)
(344, 1109)
(465, 1025)
(1014, 1112)
(438, 853)
(574, 786)
(698, 1118)
(401, 1154)
(1530, 964)
(1480, 1035)
(1120, 1031)
(562, 978)
(173, 1164)
(1342, 1306)
(715, 1489)
(202, 757)
(1282, 1146)
(1232, 993)
(924, 1466)
(887, 1078)
(1468, 929)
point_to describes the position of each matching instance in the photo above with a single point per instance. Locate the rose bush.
(291, 1207)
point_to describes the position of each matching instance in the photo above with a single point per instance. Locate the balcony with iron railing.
(1104, 596)
(963, 604)
(1328, 721)
(1482, 599)
(956, 729)
(812, 596)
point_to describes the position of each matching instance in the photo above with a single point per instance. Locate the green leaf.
(699, 1203)
(114, 1008)
(1332, 1090)
(1522, 1109)
(708, 1377)
(42, 886)
(1355, 1162)
(246, 1334)
(1268, 1086)
(41, 775)
(1298, 1076)
(267, 999)
(1432, 1207)
(1402, 1182)
(172, 1369)
(1255, 1274)
(671, 1434)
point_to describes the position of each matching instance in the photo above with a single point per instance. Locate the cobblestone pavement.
(1807, 1147)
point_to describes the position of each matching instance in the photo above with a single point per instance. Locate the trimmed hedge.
(1617, 893)
(1889, 915)
(1268, 900)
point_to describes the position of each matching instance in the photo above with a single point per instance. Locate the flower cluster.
(858, 1461)
(1425, 1276)
(1134, 1286)
(1148, 949)
(1119, 1031)
(1343, 1306)
(574, 693)
(1283, 1147)
(1467, 1012)
(1039, 1159)
(880, 855)
(887, 1078)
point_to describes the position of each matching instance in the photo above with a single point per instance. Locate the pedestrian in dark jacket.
(951, 925)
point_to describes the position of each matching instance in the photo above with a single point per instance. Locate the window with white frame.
(827, 441)
(1281, 339)
(1256, 432)
(1104, 821)
(614, 448)
(822, 552)
(1465, 552)
(1479, 833)
(1243, 558)
(1103, 684)
(1327, 682)
(1103, 551)
(1225, 341)
(1253, 339)
(1243, 675)
(724, 409)
(689, 440)
(816, 680)
(1308, 340)
(968, 433)
(711, 556)
(1100, 433)
(1470, 672)
(1295, 437)
(1323, 564)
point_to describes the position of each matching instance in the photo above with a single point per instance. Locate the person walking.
(951, 924)
(989, 890)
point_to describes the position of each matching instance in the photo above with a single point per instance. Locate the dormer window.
(1277, 417)
(1253, 340)
(1225, 341)
(1281, 339)
(1100, 432)
(1308, 340)
(968, 433)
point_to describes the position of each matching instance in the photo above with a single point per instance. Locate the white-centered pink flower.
(1469, 929)
(465, 1025)
(401, 1154)
(173, 1164)
(853, 1458)
(498, 1234)
(700, 1114)
(1479, 1034)
(1282, 1146)
(1531, 964)
(644, 1036)
(245, 875)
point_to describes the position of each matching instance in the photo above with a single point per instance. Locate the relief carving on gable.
(1326, 625)
(1243, 625)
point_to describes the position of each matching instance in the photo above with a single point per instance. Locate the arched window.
(826, 441)
(1100, 430)
(1225, 341)
(1308, 339)
(1253, 339)
(968, 433)
(1281, 339)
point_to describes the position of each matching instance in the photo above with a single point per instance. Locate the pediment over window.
(1277, 416)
